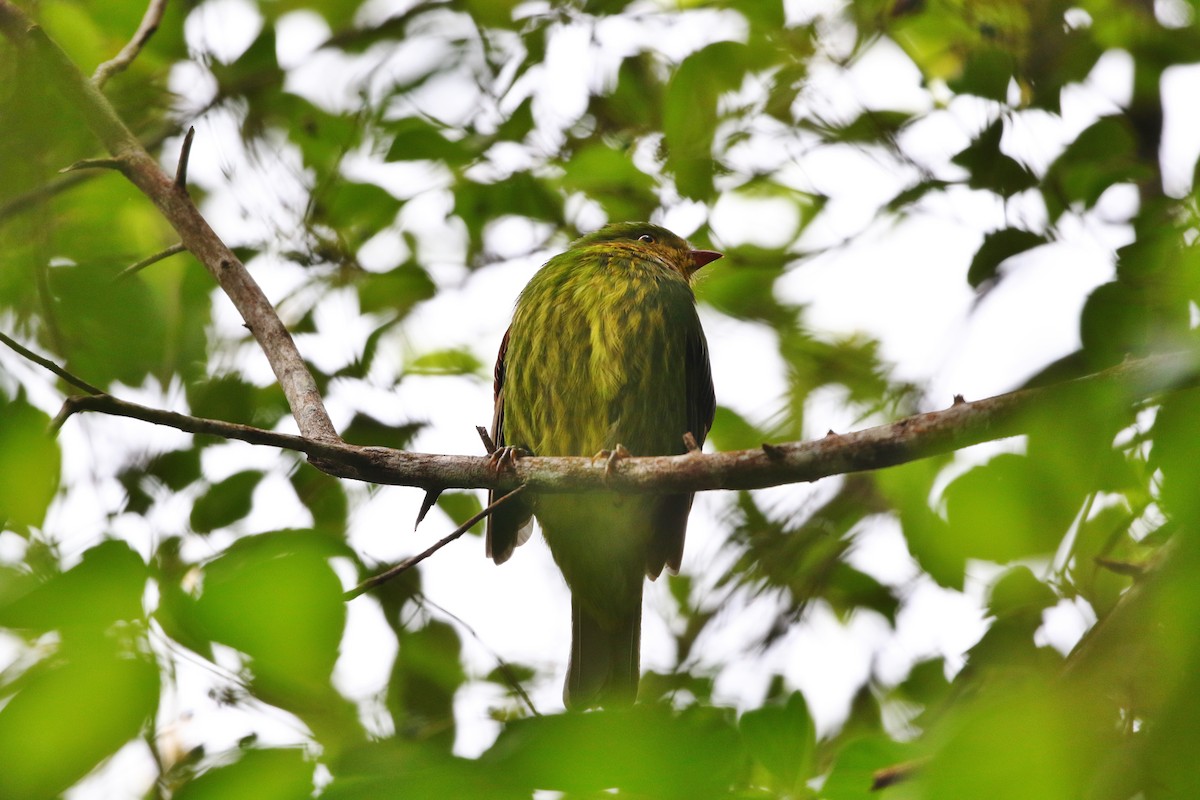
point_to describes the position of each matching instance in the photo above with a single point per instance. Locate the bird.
(605, 356)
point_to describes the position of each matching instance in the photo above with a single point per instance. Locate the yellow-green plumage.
(605, 350)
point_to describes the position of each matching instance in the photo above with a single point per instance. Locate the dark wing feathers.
(504, 526)
(671, 515)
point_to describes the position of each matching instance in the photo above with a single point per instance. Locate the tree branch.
(78, 383)
(119, 62)
(910, 439)
(138, 266)
(178, 209)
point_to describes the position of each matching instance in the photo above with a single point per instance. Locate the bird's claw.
(503, 458)
(611, 457)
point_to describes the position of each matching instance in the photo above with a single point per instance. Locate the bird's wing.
(701, 398)
(510, 524)
(671, 512)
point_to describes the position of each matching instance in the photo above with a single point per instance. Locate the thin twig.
(409, 563)
(95, 163)
(119, 62)
(185, 153)
(505, 668)
(78, 383)
(174, 249)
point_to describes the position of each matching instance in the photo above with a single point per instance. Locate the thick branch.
(921, 436)
(179, 210)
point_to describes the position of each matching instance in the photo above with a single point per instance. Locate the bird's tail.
(605, 660)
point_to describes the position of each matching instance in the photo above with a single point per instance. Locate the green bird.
(605, 354)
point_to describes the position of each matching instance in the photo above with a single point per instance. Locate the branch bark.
(910, 439)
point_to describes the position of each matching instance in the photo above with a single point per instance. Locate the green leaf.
(1007, 509)
(609, 176)
(521, 194)
(1037, 735)
(357, 211)
(1104, 154)
(232, 399)
(276, 774)
(990, 169)
(731, 431)
(323, 496)
(645, 750)
(68, 715)
(855, 767)
(907, 487)
(415, 139)
(30, 462)
(396, 291)
(460, 507)
(690, 116)
(783, 739)
(997, 247)
(455, 361)
(427, 673)
(987, 73)
(366, 430)
(105, 587)
(225, 502)
(274, 597)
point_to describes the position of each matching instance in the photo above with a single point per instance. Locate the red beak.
(702, 257)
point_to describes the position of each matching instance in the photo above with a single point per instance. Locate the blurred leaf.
(908, 488)
(368, 431)
(232, 399)
(990, 169)
(645, 750)
(275, 598)
(396, 767)
(690, 116)
(108, 698)
(783, 739)
(30, 463)
(105, 587)
(1176, 452)
(225, 502)
(1102, 155)
(987, 73)
(425, 677)
(396, 291)
(460, 507)
(455, 361)
(357, 211)
(415, 139)
(521, 194)
(854, 767)
(1033, 735)
(731, 431)
(997, 247)
(276, 774)
(1007, 509)
(324, 497)
(609, 176)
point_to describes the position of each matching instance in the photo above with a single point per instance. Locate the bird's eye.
(647, 238)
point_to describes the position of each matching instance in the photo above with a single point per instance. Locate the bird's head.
(651, 240)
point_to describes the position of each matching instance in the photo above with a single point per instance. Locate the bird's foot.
(611, 457)
(503, 458)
